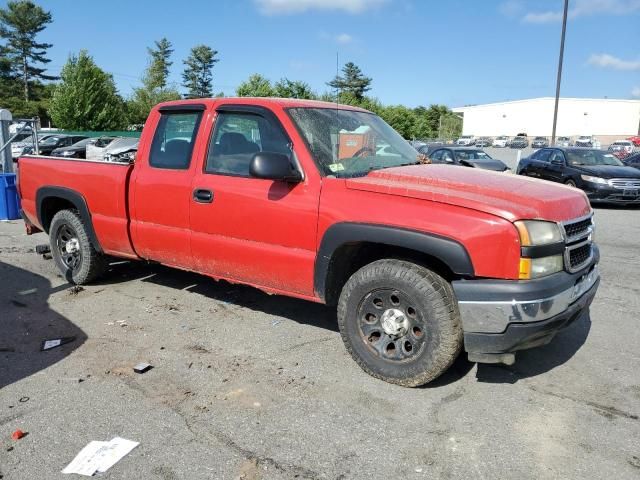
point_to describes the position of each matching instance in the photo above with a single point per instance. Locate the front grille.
(579, 228)
(579, 256)
(625, 183)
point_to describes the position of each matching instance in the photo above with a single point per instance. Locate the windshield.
(50, 141)
(472, 155)
(83, 142)
(347, 143)
(592, 158)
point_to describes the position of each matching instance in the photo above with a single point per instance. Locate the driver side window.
(557, 156)
(447, 157)
(436, 156)
(542, 155)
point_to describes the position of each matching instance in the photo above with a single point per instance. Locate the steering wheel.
(363, 150)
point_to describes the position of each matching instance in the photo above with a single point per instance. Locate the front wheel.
(400, 322)
(570, 183)
(72, 250)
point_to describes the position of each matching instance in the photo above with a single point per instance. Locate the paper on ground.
(100, 456)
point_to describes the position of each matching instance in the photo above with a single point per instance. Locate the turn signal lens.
(525, 269)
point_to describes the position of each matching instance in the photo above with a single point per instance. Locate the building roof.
(546, 99)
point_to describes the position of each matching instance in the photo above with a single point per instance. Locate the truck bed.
(104, 186)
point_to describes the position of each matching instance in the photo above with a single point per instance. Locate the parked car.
(563, 142)
(95, 149)
(122, 149)
(588, 141)
(519, 142)
(500, 142)
(466, 140)
(77, 150)
(632, 160)
(602, 176)
(466, 157)
(484, 142)
(539, 142)
(621, 148)
(53, 142)
(24, 146)
(635, 139)
(468, 259)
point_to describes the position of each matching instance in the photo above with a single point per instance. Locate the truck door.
(252, 230)
(162, 186)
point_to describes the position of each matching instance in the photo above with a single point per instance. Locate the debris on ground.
(42, 249)
(23, 399)
(55, 342)
(18, 304)
(47, 256)
(100, 456)
(76, 289)
(275, 323)
(142, 367)
(18, 434)
(28, 292)
(122, 323)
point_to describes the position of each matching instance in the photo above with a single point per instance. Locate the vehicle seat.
(234, 153)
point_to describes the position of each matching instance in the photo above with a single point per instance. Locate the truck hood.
(507, 196)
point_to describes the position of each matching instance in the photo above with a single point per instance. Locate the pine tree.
(197, 76)
(157, 73)
(352, 82)
(20, 22)
(286, 88)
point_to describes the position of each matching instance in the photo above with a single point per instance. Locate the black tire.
(427, 303)
(72, 250)
(570, 183)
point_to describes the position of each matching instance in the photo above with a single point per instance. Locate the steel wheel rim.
(68, 247)
(391, 325)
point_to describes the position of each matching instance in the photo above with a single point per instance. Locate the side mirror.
(274, 166)
(557, 161)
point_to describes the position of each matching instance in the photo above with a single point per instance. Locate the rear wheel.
(400, 322)
(72, 250)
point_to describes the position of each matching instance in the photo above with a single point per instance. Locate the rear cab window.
(174, 139)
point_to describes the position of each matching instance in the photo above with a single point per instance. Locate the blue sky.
(418, 52)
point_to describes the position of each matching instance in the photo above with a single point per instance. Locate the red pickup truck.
(328, 203)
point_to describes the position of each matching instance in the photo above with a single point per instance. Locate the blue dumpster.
(9, 201)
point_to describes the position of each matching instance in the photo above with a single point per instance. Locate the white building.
(607, 119)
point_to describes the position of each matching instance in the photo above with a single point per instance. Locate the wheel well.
(50, 206)
(349, 258)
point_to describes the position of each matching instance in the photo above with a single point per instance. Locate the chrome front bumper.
(534, 302)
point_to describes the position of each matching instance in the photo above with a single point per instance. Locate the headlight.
(540, 267)
(538, 232)
(590, 179)
(67, 153)
(535, 233)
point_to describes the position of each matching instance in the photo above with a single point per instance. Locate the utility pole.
(555, 109)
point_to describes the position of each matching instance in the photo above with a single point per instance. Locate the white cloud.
(511, 8)
(585, 8)
(343, 38)
(635, 92)
(604, 60)
(287, 7)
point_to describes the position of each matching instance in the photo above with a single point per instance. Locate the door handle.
(202, 195)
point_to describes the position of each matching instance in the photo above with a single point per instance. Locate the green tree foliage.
(286, 88)
(155, 87)
(157, 72)
(352, 81)
(20, 23)
(255, 86)
(86, 98)
(198, 76)
(401, 118)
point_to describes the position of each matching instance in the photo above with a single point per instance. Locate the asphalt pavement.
(246, 385)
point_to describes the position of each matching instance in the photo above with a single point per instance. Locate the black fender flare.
(450, 252)
(73, 197)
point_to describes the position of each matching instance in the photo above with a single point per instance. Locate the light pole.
(555, 109)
